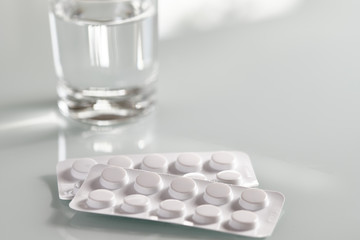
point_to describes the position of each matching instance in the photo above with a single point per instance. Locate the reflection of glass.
(105, 56)
(76, 140)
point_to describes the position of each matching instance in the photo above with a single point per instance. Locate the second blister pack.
(231, 167)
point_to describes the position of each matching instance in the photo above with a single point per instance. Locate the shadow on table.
(77, 225)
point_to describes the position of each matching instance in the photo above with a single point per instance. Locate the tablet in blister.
(231, 167)
(179, 200)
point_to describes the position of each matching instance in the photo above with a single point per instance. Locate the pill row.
(161, 197)
(240, 220)
(181, 188)
(228, 167)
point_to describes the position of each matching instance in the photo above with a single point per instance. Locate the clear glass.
(105, 57)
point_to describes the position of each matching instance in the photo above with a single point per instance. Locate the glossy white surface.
(284, 89)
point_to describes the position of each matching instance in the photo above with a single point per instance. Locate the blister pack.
(231, 167)
(134, 193)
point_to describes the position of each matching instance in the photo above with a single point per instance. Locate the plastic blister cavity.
(113, 178)
(100, 198)
(217, 193)
(81, 167)
(182, 188)
(148, 183)
(171, 208)
(180, 200)
(121, 161)
(135, 203)
(188, 163)
(154, 163)
(243, 220)
(253, 199)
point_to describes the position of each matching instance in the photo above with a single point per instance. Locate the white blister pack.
(179, 200)
(231, 167)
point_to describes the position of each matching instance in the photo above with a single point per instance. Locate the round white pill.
(121, 161)
(207, 214)
(243, 220)
(136, 203)
(154, 163)
(222, 161)
(188, 162)
(229, 176)
(182, 188)
(113, 178)
(171, 208)
(148, 183)
(253, 199)
(217, 193)
(81, 167)
(101, 198)
(196, 175)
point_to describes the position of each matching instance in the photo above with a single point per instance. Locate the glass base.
(103, 107)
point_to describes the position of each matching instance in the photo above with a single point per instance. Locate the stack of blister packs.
(209, 190)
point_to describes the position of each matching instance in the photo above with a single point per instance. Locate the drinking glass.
(105, 57)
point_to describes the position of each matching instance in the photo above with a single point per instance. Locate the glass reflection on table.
(79, 140)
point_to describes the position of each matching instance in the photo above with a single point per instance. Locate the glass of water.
(105, 57)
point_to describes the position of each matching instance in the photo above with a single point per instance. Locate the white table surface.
(284, 89)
